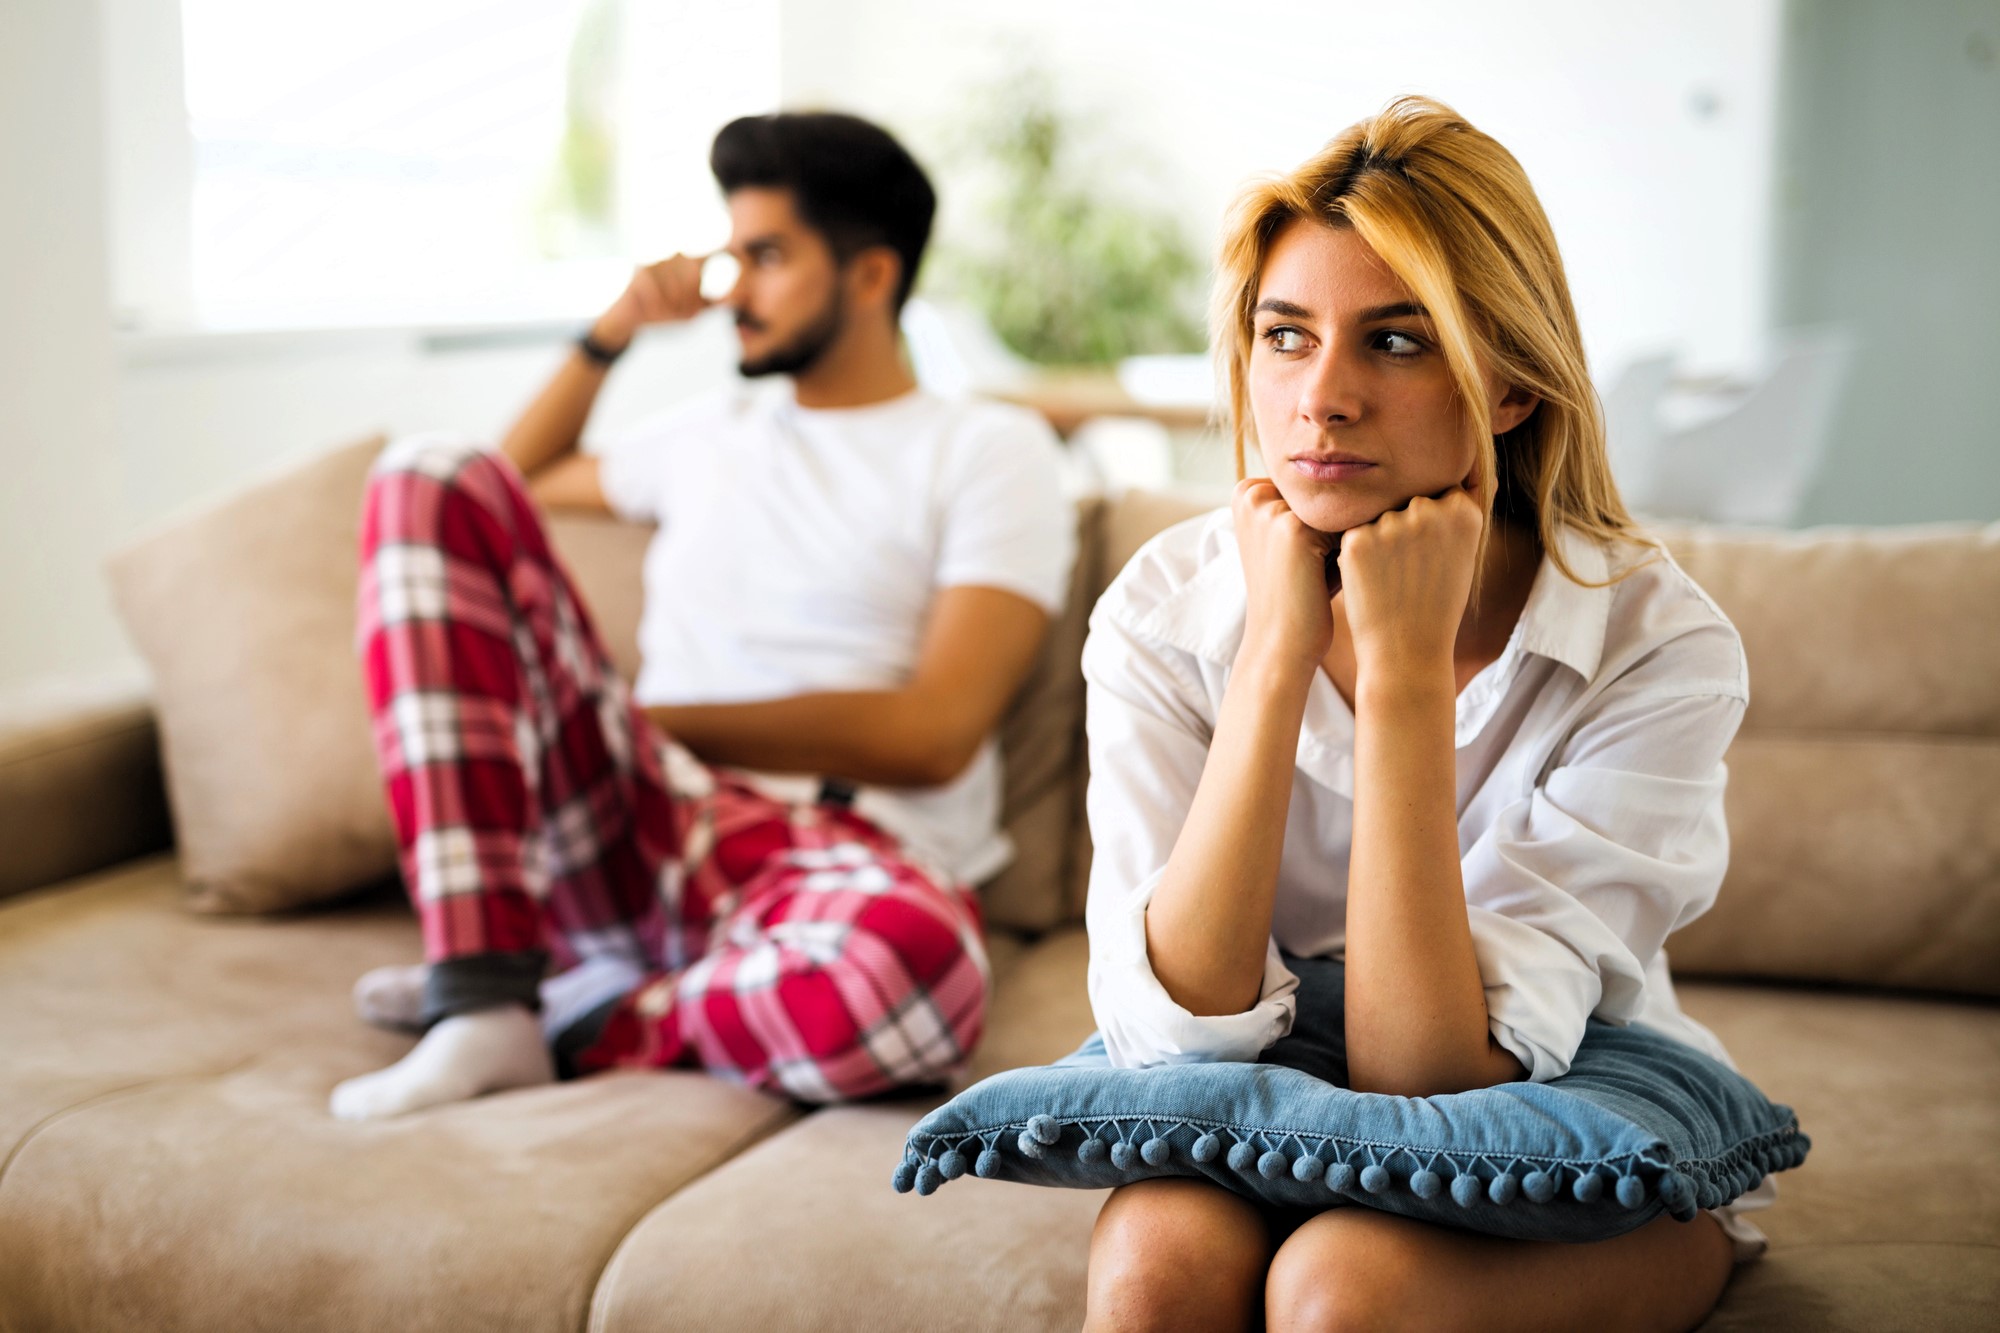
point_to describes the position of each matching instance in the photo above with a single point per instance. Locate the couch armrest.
(80, 782)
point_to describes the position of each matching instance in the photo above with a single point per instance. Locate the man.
(759, 860)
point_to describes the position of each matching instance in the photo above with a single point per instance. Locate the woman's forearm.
(1416, 1005)
(1209, 920)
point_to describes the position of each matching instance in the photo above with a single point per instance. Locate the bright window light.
(432, 161)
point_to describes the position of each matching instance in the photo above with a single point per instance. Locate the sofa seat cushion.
(174, 1165)
(1903, 1096)
(838, 1248)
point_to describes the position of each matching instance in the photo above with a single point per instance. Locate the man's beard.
(801, 352)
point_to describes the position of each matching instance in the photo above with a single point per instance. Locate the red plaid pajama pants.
(544, 820)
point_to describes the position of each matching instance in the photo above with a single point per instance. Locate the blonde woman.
(1421, 698)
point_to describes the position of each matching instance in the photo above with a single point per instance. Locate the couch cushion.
(1860, 629)
(1891, 1223)
(245, 614)
(1869, 859)
(854, 1253)
(79, 781)
(174, 1165)
(1862, 785)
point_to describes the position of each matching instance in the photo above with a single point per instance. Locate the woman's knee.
(1344, 1271)
(1174, 1253)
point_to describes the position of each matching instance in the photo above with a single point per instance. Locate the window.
(432, 161)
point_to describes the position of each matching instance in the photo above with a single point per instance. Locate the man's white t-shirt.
(799, 550)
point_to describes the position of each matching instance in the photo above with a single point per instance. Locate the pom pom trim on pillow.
(1141, 1147)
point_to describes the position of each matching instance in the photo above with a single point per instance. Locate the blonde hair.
(1451, 213)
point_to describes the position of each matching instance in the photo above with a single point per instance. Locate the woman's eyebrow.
(1285, 308)
(1400, 310)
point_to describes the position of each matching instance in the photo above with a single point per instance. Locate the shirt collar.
(1562, 620)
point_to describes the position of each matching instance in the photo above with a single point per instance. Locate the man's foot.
(392, 997)
(488, 1050)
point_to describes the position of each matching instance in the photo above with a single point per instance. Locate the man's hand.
(667, 292)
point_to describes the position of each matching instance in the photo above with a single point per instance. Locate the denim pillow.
(1641, 1124)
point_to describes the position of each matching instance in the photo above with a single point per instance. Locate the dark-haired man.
(759, 859)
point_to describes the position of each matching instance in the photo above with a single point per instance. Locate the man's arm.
(543, 442)
(978, 647)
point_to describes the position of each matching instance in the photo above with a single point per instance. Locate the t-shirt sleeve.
(1007, 522)
(637, 466)
(1574, 888)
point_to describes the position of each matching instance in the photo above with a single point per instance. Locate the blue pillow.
(1641, 1124)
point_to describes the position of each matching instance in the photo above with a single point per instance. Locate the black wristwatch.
(596, 352)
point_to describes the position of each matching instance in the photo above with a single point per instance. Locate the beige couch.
(167, 1161)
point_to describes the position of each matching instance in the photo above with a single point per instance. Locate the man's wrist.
(611, 334)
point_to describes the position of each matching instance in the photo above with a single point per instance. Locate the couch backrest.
(1864, 791)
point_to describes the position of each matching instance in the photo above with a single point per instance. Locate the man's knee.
(418, 481)
(918, 1039)
(437, 455)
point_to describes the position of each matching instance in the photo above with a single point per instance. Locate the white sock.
(392, 997)
(487, 1050)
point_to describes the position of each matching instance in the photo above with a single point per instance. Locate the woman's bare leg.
(1177, 1254)
(1358, 1268)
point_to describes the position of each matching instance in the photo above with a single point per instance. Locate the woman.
(1421, 698)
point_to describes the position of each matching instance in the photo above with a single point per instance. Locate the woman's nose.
(1330, 395)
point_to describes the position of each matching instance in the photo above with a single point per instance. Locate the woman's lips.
(1325, 469)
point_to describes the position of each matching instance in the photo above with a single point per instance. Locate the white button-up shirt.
(1590, 781)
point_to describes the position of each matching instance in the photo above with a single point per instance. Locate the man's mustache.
(749, 324)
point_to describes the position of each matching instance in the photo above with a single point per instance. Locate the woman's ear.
(1513, 408)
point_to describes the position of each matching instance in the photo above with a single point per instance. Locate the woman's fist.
(1288, 610)
(1406, 578)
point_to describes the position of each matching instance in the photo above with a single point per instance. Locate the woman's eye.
(1398, 344)
(1284, 339)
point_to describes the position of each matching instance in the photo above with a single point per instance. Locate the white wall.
(1646, 128)
(59, 473)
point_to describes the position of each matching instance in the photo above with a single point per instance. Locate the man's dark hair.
(850, 181)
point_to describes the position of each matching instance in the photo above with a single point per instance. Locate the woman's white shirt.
(1590, 783)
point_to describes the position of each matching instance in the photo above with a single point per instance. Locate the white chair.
(1748, 458)
(1632, 425)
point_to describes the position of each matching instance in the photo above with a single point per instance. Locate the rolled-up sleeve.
(1147, 746)
(1573, 889)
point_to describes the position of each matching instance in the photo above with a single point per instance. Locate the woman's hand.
(1289, 611)
(1406, 578)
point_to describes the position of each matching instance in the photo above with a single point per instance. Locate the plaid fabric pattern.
(796, 948)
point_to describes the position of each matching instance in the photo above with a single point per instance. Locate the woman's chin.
(1334, 513)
